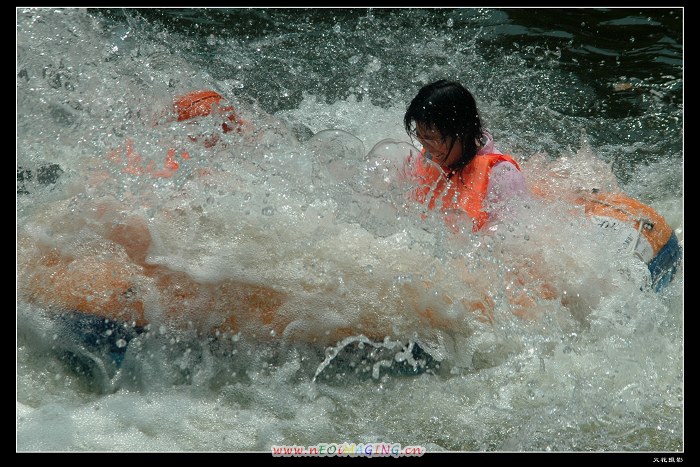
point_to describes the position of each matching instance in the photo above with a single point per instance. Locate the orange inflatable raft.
(108, 287)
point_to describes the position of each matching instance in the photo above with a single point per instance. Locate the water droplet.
(121, 343)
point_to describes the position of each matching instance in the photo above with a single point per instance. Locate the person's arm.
(505, 183)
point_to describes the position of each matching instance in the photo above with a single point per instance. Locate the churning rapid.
(260, 274)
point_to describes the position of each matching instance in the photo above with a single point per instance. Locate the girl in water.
(444, 118)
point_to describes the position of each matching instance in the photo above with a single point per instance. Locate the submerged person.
(478, 178)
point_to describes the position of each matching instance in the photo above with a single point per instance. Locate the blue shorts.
(663, 266)
(92, 345)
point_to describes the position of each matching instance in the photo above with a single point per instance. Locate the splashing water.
(358, 315)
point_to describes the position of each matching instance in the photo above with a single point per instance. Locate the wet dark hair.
(450, 108)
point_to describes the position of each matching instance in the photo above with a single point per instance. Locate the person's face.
(445, 151)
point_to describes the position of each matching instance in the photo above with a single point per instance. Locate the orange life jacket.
(200, 103)
(465, 189)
